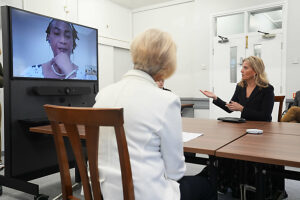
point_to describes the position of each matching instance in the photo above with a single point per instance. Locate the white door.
(226, 71)
(270, 50)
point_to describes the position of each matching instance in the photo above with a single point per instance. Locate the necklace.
(58, 74)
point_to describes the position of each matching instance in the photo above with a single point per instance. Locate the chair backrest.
(91, 119)
(279, 99)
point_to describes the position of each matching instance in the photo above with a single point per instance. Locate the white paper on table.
(187, 136)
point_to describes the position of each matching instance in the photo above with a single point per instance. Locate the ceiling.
(134, 4)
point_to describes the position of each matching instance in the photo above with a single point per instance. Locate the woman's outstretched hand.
(209, 94)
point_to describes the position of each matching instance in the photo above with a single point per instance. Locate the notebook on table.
(232, 119)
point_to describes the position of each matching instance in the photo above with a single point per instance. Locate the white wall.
(189, 24)
(106, 66)
(293, 48)
(66, 9)
(181, 22)
(122, 62)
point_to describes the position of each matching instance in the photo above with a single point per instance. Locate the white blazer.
(152, 124)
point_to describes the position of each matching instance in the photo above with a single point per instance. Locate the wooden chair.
(91, 119)
(279, 99)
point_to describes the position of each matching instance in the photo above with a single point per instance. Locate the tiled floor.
(50, 185)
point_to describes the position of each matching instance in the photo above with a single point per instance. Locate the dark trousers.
(196, 188)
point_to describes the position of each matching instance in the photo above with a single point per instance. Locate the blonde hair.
(258, 66)
(154, 52)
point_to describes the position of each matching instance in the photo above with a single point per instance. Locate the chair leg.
(242, 191)
(248, 188)
(60, 195)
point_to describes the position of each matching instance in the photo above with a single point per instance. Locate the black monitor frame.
(50, 79)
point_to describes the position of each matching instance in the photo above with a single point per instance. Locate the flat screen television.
(45, 61)
(48, 48)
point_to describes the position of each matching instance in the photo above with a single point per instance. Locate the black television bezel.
(12, 77)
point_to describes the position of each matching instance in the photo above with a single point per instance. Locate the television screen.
(48, 48)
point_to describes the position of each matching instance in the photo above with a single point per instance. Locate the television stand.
(23, 186)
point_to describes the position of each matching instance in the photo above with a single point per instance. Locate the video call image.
(52, 49)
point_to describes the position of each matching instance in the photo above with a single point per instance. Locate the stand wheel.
(41, 197)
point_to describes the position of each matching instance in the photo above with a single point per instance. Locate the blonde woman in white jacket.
(152, 125)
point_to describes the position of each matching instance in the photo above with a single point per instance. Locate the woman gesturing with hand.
(253, 96)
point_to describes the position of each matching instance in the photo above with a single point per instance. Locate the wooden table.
(277, 149)
(279, 144)
(206, 144)
(216, 134)
(230, 140)
(286, 128)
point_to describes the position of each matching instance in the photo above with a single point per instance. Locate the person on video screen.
(61, 37)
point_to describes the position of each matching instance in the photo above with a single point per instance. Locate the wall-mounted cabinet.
(66, 10)
(13, 3)
(112, 21)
